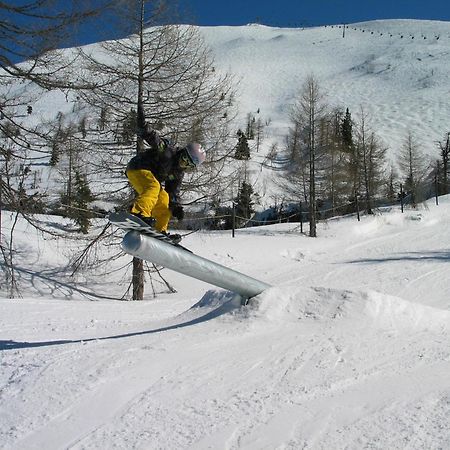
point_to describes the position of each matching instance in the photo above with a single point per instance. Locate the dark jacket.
(162, 159)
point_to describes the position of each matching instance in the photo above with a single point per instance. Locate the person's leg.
(161, 211)
(148, 189)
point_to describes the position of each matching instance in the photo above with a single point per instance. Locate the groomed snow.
(396, 70)
(348, 349)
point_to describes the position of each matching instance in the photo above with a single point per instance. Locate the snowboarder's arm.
(154, 140)
(173, 188)
(140, 119)
(148, 133)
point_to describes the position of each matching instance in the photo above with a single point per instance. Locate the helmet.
(196, 153)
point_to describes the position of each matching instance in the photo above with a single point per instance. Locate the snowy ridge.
(369, 309)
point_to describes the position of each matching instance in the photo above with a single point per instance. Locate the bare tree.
(413, 167)
(31, 33)
(172, 72)
(167, 72)
(371, 160)
(259, 133)
(444, 147)
(295, 181)
(307, 114)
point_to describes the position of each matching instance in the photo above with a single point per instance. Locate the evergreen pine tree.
(82, 127)
(443, 174)
(81, 199)
(347, 132)
(244, 201)
(54, 157)
(103, 118)
(251, 121)
(242, 148)
(391, 191)
(353, 157)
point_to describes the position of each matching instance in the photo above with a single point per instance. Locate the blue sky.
(309, 12)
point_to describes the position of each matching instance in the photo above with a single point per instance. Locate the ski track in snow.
(283, 372)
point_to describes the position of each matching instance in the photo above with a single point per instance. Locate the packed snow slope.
(348, 349)
(396, 70)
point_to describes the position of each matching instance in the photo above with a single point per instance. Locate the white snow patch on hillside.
(397, 70)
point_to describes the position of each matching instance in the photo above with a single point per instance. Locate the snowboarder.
(160, 163)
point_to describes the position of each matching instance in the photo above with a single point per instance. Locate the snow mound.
(366, 308)
(371, 225)
(368, 226)
(219, 301)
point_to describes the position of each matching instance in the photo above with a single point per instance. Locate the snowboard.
(128, 222)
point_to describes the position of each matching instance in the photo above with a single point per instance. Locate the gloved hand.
(142, 131)
(177, 211)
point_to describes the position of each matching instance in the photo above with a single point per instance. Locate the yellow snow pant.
(152, 200)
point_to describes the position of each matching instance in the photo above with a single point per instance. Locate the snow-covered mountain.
(396, 70)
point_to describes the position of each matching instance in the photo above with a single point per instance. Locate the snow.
(398, 74)
(348, 349)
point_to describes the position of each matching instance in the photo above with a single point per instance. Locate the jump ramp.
(185, 262)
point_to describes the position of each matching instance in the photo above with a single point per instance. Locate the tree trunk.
(138, 279)
(138, 265)
(312, 172)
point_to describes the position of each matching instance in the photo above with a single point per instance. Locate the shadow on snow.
(216, 303)
(439, 256)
